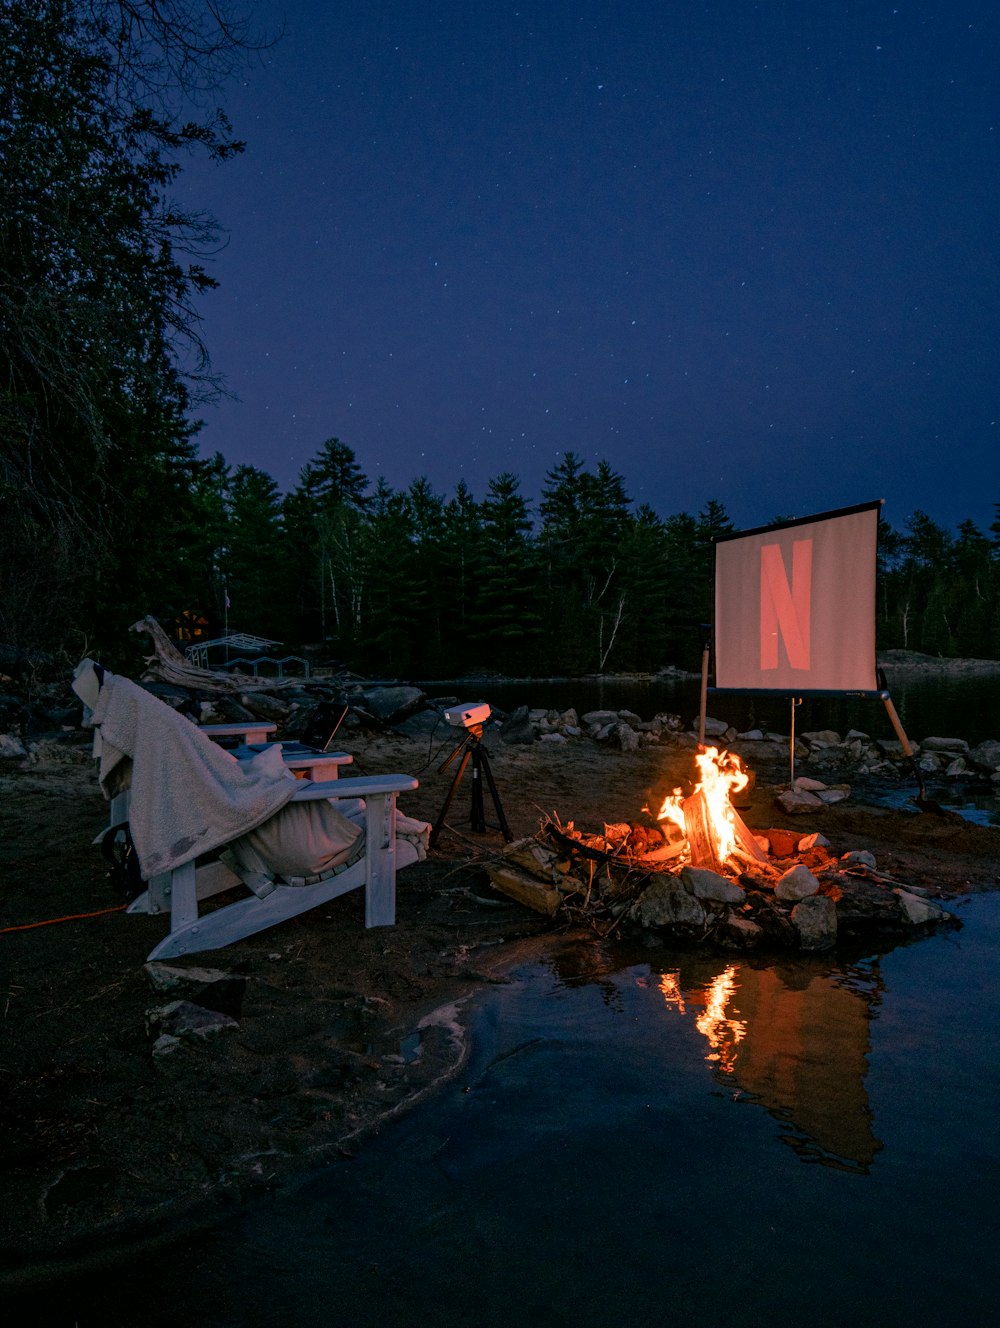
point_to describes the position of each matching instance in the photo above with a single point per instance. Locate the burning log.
(702, 844)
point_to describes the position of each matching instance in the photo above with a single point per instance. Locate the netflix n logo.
(785, 605)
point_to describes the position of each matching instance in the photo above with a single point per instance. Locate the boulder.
(985, 755)
(858, 857)
(714, 728)
(740, 933)
(184, 1019)
(782, 843)
(815, 840)
(11, 746)
(796, 883)
(919, 911)
(392, 704)
(600, 718)
(815, 922)
(626, 737)
(821, 738)
(838, 793)
(950, 745)
(423, 724)
(799, 803)
(705, 884)
(264, 706)
(517, 727)
(666, 903)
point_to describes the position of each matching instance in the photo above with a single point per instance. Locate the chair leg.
(380, 861)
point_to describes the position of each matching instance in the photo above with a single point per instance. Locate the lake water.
(649, 1137)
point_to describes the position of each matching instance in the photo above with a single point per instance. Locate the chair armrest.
(359, 786)
(241, 730)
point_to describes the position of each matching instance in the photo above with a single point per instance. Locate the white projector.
(467, 714)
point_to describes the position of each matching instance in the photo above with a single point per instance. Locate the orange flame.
(722, 775)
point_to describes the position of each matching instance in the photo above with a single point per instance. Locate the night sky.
(744, 252)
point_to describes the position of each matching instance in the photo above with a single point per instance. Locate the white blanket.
(189, 796)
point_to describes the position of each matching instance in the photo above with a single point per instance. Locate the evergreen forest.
(108, 512)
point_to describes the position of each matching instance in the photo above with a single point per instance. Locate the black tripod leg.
(488, 772)
(439, 823)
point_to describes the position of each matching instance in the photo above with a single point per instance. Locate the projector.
(467, 714)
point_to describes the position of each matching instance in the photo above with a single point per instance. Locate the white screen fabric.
(795, 605)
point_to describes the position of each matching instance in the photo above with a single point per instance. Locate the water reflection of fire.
(797, 1041)
(721, 1029)
(708, 812)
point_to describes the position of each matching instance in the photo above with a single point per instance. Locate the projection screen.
(795, 605)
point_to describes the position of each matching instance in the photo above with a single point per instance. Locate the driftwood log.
(167, 664)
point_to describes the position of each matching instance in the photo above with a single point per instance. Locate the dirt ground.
(105, 1146)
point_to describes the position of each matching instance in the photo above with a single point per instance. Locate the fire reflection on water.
(721, 1029)
(794, 1040)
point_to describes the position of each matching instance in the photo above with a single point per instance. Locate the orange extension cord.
(71, 917)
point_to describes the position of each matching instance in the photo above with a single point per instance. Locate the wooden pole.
(704, 696)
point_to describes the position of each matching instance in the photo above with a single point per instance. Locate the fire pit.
(694, 871)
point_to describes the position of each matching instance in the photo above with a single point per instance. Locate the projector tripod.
(471, 747)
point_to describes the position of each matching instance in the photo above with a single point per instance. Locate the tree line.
(415, 583)
(108, 512)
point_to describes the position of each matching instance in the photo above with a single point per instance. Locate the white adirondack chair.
(263, 898)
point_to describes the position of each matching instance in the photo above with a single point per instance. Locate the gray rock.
(796, 883)
(11, 746)
(815, 921)
(165, 977)
(815, 840)
(859, 857)
(751, 735)
(929, 763)
(264, 706)
(423, 724)
(855, 735)
(600, 718)
(570, 719)
(553, 737)
(665, 903)
(799, 803)
(231, 711)
(919, 911)
(986, 755)
(830, 796)
(705, 884)
(626, 737)
(893, 749)
(184, 1019)
(714, 728)
(392, 704)
(944, 745)
(740, 933)
(517, 727)
(821, 738)
(668, 722)
(957, 767)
